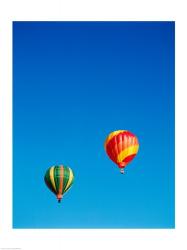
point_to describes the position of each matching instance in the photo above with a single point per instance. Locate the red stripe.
(61, 179)
(110, 152)
(129, 158)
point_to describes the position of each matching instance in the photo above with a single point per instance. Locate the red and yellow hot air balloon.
(121, 147)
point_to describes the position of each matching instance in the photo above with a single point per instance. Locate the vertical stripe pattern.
(59, 179)
(121, 147)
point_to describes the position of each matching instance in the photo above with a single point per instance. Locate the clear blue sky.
(74, 83)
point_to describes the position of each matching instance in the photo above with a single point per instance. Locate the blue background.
(74, 83)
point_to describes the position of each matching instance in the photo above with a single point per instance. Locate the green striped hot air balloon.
(59, 179)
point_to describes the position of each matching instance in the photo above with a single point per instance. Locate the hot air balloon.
(59, 179)
(121, 147)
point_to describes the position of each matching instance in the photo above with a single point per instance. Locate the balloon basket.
(122, 171)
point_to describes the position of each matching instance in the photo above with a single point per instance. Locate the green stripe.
(70, 184)
(48, 181)
(66, 178)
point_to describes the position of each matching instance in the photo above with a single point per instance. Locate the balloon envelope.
(59, 179)
(121, 147)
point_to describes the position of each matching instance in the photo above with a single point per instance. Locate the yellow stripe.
(70, 179)
(51, 173)
(126, 152)
(112, 135)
